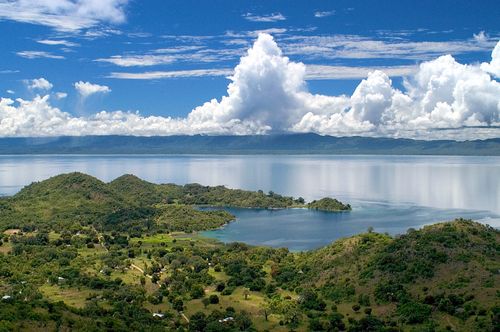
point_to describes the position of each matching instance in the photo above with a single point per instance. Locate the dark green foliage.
(390, 292)
(367, 324)
(328, 204)
(198, 321)
(214, 299)
(414, 312)
(197, 291)
(187, 219)
(78, 233)
(309, 300)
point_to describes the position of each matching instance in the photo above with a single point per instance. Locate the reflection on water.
(389, 193)
(471, 183)
(302, 229)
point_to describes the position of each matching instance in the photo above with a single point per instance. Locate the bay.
(388, 193)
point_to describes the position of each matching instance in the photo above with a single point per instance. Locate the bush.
(414, 312)
(198, 321)
(228, 291)
(220, 286)
(214, 299)
(390, 292)
(197, 292)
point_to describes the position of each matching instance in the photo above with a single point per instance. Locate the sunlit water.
(388, 193)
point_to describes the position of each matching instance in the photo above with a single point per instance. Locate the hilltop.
(80, 254)
(127, 203)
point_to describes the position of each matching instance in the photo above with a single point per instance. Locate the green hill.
(127, 204)
(80, 254)
(442, 276)
(65, 200)
(136, 191)
(328, 204)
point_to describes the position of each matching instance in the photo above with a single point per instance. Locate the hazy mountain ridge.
(256, 144)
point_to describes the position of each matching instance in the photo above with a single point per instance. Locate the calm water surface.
(389, 193)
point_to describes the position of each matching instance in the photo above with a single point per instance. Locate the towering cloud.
(268, 93)
(494, 66)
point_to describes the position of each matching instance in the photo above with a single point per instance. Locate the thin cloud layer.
(38, 55)
(275, 17)
(268, 94)
(64, 15)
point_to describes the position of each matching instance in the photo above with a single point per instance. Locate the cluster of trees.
(80, 234)
(328, 204)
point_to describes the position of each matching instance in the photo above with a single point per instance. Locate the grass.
(12, 231)
(70, 296)
(5, 248)
(252, 305)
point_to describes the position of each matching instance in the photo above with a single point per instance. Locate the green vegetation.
(329, 204)
(79, 254)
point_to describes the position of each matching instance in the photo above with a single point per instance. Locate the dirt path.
(140, 270)
(185, 317)
(100, 238)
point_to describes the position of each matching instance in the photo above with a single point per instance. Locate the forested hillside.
(80, 254)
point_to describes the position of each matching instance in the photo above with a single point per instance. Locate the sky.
(416, 69)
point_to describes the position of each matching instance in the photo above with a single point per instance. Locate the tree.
(246, 292)
(220, 286)
(197, 292)
(335, 321)
(414, 312)
(243, 321)
(178, 304)
(214, 299)
(205, 302)
(288, 309)
(198, 321)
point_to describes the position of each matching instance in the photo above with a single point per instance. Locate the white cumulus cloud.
(494, 66)
(39, 84)
(268, 93)
(86, 89)
(60, 95)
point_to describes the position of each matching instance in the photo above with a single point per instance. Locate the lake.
(388, 193)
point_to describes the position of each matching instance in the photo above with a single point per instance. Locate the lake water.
(388, 193)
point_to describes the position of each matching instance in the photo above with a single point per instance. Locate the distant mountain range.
(258, 144)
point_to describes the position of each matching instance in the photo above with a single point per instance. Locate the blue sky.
(165, 58)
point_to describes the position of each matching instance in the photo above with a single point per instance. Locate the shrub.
(414, 312)
(214, 299)
(220, 286)
(197, 292)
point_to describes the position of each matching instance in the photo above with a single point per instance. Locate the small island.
(79, 254)
(329, 204)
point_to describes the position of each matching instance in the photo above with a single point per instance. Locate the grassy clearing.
(12, 231)
(70, 296)
(5, 248)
